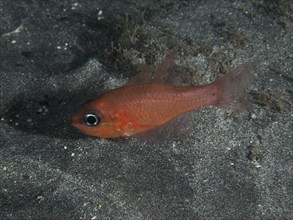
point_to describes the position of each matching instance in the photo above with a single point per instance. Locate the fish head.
(96, 119)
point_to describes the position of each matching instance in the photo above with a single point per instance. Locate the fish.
(144, 104)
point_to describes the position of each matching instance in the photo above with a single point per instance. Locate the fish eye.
(92, 119)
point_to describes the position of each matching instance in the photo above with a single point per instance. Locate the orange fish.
(140, 107)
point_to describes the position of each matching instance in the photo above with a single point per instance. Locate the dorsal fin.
(160, 75)
(143, 77)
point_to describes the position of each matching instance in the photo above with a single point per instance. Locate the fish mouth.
(75, 120)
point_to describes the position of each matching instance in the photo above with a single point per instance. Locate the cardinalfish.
(141, 107)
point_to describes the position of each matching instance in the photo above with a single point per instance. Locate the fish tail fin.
(232, 87)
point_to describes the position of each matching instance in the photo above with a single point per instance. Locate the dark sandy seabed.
(56, 55)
